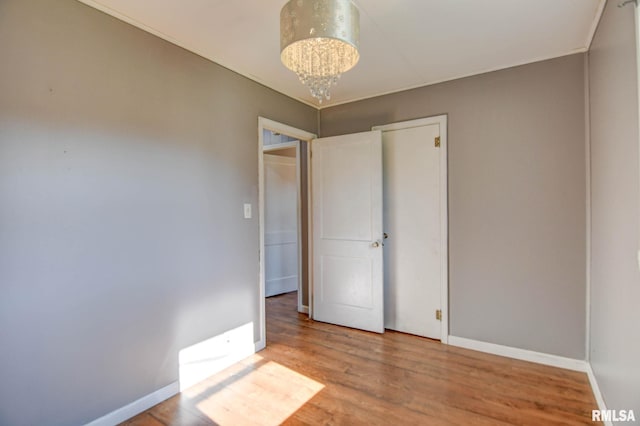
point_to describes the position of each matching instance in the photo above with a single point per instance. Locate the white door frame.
(441, 120)
(637, 22)
(266, 124)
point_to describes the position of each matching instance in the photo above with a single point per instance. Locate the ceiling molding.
(595, 23)
(461, 45)
(474, 74)
(135, 23)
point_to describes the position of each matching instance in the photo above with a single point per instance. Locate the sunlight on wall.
(204, 359)
(254, 391)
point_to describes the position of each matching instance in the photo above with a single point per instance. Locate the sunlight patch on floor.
(253, 392)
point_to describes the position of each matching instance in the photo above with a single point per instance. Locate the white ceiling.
(404, 43)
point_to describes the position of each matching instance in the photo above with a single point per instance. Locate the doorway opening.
(344, 197)
(282, 237)
(283, 204)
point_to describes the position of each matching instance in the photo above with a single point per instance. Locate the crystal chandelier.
(319, 41)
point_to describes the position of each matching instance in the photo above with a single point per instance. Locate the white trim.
(596, 392)
(301, 135)
(458, 77)
(282, 285)
(444, 228)
(441, 121)
(419, 122)
(521, 354)
(138, 406)
(637, 21)
(587, 339)
(310, 229)
(262, 339)
(299, 221)
(129, 20)
(125, 18)
(210, 356)
(279, 146)
(537, 357)
(595, 23)
(304, 309)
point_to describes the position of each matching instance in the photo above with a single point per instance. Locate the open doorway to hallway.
(284, 223)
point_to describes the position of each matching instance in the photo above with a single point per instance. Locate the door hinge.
(437, 141)
(439, 315)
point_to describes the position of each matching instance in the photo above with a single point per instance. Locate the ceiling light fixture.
(319, 41)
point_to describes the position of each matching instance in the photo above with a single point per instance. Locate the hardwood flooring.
(319, 374)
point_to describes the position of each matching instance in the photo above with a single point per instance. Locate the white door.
(347, 231)
(412, 221)
(280, 222)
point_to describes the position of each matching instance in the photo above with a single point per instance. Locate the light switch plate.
(247, 211)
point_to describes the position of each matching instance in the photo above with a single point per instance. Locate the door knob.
(375, 244)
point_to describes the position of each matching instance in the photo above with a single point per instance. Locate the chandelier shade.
(319, 41)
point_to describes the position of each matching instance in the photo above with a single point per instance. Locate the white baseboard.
(195, 364)
(596, 392)
(521, 354)
(136, 407)
(304, 310)
(280, 285)
(204, 359)
(539, 358)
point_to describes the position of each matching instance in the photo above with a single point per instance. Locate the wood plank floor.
(319, 374)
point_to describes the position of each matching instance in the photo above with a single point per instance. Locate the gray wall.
(124, 164)
(516, 198)
(615, 281)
